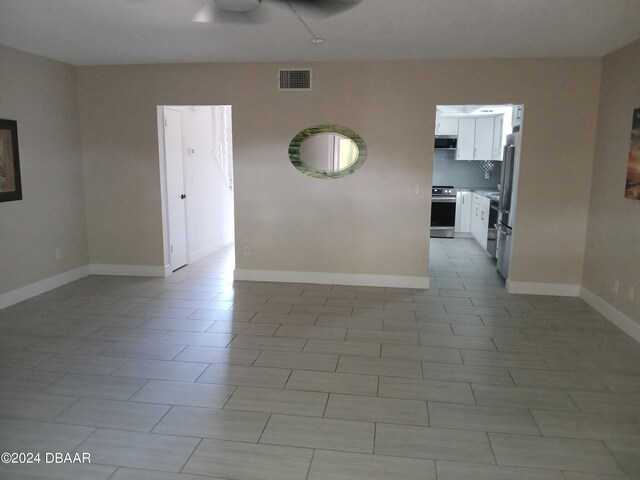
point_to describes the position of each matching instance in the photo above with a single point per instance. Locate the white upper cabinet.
(480, 138)
(446, 126)
(498, 137)
(516, 118)
(484, 139)
(466, 138)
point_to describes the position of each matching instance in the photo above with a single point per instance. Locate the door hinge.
(171, 248)
(165, 122)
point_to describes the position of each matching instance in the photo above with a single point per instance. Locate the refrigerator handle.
(502, 229)
(506, 178)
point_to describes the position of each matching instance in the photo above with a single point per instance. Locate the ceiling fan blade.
(212, 13)
(252, 17)
(325, 7)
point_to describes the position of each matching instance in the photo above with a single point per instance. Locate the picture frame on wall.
(632, 187)
(10, 182)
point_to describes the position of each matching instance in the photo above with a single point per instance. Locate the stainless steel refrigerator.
(504, 225)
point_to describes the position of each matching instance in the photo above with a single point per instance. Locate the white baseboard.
(541, 288)
(41, 286)
(128, 270)
(397, 281)
(611, 313)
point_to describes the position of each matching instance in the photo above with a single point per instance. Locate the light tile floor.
(192, 376)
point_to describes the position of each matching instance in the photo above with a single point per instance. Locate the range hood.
(445, 142)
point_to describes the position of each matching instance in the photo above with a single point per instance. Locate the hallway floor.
(194, 376)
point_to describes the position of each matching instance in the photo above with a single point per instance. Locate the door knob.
(183, 196)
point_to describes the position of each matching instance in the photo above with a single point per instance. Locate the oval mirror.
(327, 151)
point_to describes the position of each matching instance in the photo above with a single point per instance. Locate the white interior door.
(176, 197)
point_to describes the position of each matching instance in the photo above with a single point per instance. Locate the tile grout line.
(190, 455)
(491, 447)
(263, 430)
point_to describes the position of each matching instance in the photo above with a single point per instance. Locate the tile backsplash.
(463, 173)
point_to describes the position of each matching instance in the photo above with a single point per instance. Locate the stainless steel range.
(443, 211)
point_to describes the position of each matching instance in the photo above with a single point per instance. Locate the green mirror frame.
(294, 151)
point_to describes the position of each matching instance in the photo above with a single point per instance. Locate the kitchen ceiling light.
(238, 5)
(317, 40)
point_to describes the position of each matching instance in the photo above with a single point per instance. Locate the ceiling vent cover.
(295, 79)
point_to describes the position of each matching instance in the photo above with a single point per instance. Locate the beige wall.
(41, 95)
(613, 240)
(368, 223)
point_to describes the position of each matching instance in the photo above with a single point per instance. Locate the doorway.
(196, 165)
(471, 145)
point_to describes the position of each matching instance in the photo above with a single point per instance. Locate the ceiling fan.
(248, 11)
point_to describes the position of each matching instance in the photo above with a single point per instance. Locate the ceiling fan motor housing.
(238, 5)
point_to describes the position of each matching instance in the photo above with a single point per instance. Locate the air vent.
(299, 79)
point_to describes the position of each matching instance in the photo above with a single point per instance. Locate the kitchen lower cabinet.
(464, 204)
(480, 219)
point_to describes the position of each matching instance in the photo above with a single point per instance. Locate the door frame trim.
(164, 201)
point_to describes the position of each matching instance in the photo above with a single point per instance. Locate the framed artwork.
(632, 188)
(10, 184)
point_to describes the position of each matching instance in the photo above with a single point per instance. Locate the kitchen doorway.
(196, 170)
(473, 145)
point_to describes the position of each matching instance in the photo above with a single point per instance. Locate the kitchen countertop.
(491, 194)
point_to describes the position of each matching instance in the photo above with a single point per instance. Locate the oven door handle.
(443, 199)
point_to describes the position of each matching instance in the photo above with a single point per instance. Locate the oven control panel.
(443, 191)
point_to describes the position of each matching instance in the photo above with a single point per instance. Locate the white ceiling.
(98, 32)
